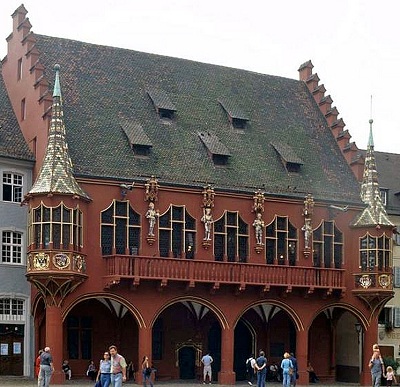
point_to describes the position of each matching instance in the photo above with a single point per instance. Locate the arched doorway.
(188, 329)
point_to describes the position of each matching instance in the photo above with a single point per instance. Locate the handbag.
(147, 371)
(98, 383)
(291, 371)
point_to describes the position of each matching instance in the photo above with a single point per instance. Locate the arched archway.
(188, 327)
(340, 357)
(270, 326)
(95, 321)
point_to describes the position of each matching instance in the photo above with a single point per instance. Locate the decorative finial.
(57, 87)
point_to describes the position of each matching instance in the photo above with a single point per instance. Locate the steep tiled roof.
(12, 143)
(102, 84)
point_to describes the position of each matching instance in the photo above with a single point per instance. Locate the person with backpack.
(250, 370)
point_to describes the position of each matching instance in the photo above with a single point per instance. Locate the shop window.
(11, 247)
(231, 238)
(327, 246)
(61, 226)
(12, 187)
(281, 242)
(120, 229)
(375, 253)
(177, 233)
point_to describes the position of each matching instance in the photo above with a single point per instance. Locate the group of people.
(287, 372)
(377, 368)
(112, 368)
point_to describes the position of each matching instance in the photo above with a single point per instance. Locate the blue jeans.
(116, 380)
(44, 376)
(261, 375)
(376, 379)
(146, 378)
(286, 379)
(105, 380)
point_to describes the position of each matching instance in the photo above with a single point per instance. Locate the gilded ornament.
(41, 261)
(61, 261)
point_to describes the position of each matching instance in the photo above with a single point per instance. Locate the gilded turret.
(56, 174)
(375, 213)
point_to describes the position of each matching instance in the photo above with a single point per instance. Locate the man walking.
(207, 360)
(250, 363)
(46, 368)
(294, 376)
(118, 367)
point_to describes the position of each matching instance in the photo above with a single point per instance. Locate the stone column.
(145, 349)
(54, 340)
(226, 375)
(301, 356)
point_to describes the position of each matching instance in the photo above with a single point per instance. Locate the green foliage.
(389, 361)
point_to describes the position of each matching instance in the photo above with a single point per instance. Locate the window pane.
(219, 247)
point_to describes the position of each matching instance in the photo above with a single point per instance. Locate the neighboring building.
(389, 319)
(16, 164)
(184, 207)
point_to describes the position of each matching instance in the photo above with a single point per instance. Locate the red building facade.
(182, 208)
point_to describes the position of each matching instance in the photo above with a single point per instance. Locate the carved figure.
(207, 219)
(152, 216)
(307, 228)
(258, 225)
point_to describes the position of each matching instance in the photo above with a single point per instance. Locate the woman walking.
(104, 374)
(146, 372)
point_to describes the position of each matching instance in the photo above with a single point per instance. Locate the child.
(390, 377)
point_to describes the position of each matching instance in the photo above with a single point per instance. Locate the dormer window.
(384, 195)
(162, 103)
(290, 160)
(217, 151)
(137, 137)
(236, 117)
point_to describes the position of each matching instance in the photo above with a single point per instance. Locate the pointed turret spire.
(375, 214)
(56, 174)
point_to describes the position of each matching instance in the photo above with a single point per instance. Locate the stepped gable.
(349, 149)
(101, 84)
(12, 142)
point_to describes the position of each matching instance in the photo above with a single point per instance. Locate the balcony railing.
(137, 268)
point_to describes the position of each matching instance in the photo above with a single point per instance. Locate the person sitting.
(91, 371)
(274, 372)
(66, 369)
(312, 375)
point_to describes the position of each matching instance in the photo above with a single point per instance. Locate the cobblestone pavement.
(18, 381)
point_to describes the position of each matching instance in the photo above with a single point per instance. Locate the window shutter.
(397, 317)
(396, 275)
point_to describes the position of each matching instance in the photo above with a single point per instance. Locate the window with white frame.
(12, 187)
(384, 196)
(11, 247)
(11, 307)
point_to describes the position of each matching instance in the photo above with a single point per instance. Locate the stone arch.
(123, 301)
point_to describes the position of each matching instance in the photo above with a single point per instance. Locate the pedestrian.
(261, 367)
(46, 368)
(295, 373)
(250, 362)
(377, 369)
(390, 376)
(118, 367)
(91, 371)
(37, 363)
(104, 374)
(287, 369)
(146, 371)
(207, 361)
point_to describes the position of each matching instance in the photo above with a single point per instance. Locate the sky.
(354, 45)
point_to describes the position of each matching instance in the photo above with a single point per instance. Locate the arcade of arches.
(176, 333)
